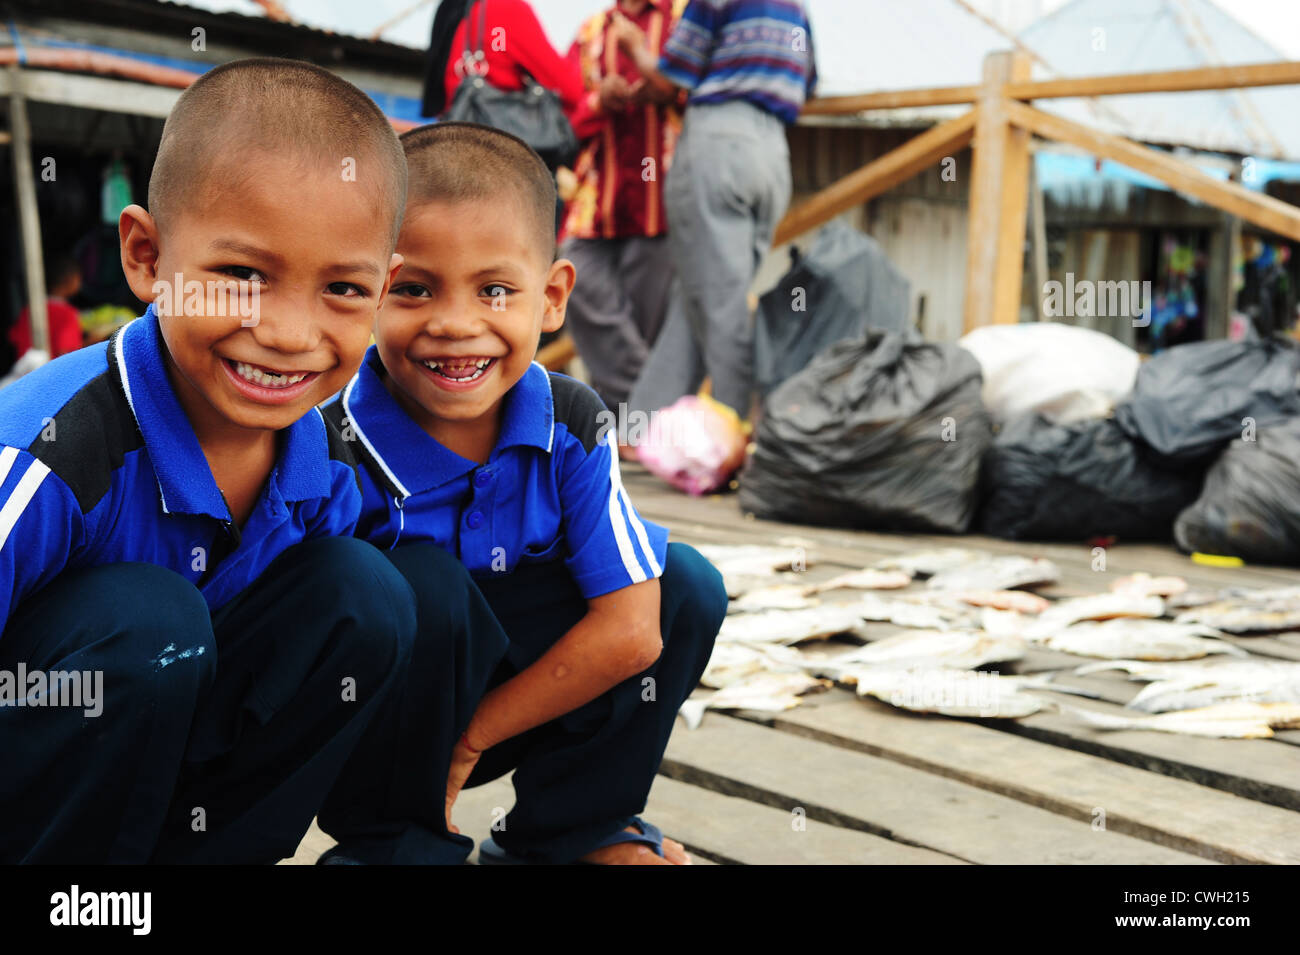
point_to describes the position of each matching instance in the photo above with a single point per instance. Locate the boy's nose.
(290, 330)
(455, 323)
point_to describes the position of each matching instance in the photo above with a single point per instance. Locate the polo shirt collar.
(185, 481)
(410, 459)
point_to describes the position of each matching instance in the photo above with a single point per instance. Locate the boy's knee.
(694, 586)
(360, 585)
(439, 580)
(157, 632)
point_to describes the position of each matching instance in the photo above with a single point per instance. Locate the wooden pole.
(999, 195)
(28, 217)
(1283, 73)
(1264, 211)
(1038, 223)
(877, 176)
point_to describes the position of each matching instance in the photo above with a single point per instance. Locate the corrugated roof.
(1098, 37)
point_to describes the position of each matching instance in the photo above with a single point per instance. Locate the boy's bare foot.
(638, 853)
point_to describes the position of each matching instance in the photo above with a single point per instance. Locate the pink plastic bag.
(695, 444)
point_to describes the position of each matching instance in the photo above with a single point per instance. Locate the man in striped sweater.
(748, 67)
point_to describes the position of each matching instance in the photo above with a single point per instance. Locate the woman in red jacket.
(513, 43)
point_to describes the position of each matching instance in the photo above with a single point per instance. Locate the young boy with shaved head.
(176, 516)
(470, 448)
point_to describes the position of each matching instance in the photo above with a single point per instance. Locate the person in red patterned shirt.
(615, 229)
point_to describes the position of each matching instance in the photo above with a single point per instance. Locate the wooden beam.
(1264, 211)
(28, 216)
(877, 176)
(999, 197)
(1281, 73)
(890, 99)
(1038, 225)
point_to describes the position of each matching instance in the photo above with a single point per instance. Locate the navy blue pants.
(221, 735)
(582, 776)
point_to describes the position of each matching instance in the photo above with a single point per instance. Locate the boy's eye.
(243, 273)
(346, 289)
(496, 290)
(411, 291)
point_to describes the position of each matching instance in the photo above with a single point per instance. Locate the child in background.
(469, 447)
(62, 281)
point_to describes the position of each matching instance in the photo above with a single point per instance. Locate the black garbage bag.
(841, 287)
(1192, 399)
(874, 433)
(1073, 482)
(1250, 505)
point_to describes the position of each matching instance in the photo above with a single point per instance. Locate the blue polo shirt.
(550, 489)
(99, 465)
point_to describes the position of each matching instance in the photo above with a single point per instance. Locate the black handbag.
(534, 114)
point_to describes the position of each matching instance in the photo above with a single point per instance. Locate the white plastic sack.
(1064, 373)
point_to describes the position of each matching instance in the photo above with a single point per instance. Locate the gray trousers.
(617, 307)
(728, 187)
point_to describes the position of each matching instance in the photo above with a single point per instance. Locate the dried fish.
(950, 649)
(1136, 639)
(765, 692)
(754, 559)
(956, 692)
(1093, 607)
(1259, 611)
(866, 579)
(927, 563)
(997, 573)
(786, 597)
(1020, 601)
(1186, 686)
(1239, 720)
(911, 613)
(1144, 585)
(789, 626)
(732, 662)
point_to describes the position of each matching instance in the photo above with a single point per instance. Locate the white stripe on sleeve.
(619, 526)
(21, 497)
(7, 458)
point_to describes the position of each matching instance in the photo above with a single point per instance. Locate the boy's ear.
(559, 285)
(394, 266)
(137, 235)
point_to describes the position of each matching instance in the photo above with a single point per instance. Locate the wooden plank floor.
(844, 780)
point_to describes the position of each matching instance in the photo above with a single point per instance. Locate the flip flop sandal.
(490, 853)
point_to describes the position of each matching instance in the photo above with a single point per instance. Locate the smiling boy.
(171, 505)
(469, 447)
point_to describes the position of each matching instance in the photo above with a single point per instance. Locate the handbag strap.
(473, 52)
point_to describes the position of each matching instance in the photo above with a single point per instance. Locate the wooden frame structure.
(999, 128)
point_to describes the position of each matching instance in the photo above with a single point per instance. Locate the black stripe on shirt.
(90, 436)
(578, 408)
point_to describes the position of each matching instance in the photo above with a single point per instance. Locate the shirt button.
(475, 520)
(482, 479)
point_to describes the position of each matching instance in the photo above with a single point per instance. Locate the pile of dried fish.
(972, 613)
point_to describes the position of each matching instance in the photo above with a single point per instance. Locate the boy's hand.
(463, 760)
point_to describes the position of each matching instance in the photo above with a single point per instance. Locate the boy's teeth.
(267, 379)
(460, 369)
